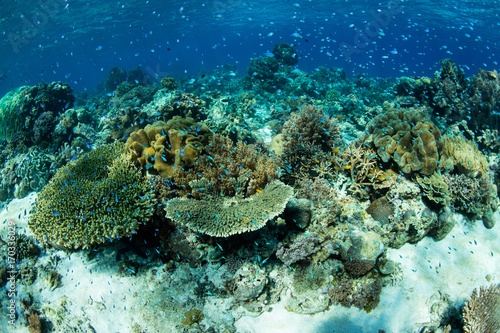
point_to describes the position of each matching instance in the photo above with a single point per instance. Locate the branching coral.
(223, 216)
(165, 146)
(224, 162)
(360, 162)
(184, 105)
(98, 198)
(482, 311)
(407, 137)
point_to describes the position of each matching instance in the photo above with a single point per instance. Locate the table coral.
(223, 216)
(407, 137)
(98, 198)
(165, 146)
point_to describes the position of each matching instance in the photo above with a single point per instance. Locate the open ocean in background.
(79, 41)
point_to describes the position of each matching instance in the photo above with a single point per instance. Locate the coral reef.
(249, 281)
(364, 296)
(223, 216)
(223, 163)
(184, 105)
(435, 188)
(407, 137)
(98, 198)
(33, 110)
(168, 83)
(115, 77)
(285, 54)
(464, 155)
(166, 146)
(301, 248)
(482, 310)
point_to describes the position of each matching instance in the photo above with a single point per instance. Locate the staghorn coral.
(482, 310)
(407, 137)
(359, 161)
(223, 216)
(464, 155)
(166, 146)
(98, 198)
(224, 162)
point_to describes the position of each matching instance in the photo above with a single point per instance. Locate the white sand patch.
(453, 266)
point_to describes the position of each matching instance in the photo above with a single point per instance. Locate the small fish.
(258, 191)
(296, 35)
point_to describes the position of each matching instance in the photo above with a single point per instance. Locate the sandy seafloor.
(93, 294)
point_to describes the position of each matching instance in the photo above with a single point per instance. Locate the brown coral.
(225, 162)
(482, 311)
(165, 146)
(464, 155)
(407, 137)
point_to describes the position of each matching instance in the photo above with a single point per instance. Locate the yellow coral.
(435, 188)
(463, 154)
(165, 146)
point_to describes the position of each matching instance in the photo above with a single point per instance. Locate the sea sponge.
(464, 155)
(223, 216)
(407, 137)
(165, 146)
(98, 198)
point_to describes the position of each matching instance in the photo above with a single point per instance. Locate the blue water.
(79, 41)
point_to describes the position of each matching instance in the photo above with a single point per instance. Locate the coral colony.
(242, 192)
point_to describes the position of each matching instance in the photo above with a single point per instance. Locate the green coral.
(223, 216)
(435, 188)
(8, 106)
(98, 198)
(407, 137)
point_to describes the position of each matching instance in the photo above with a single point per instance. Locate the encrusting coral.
(98, 198)
(407, 137)
(223, 216)
(166, 146)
